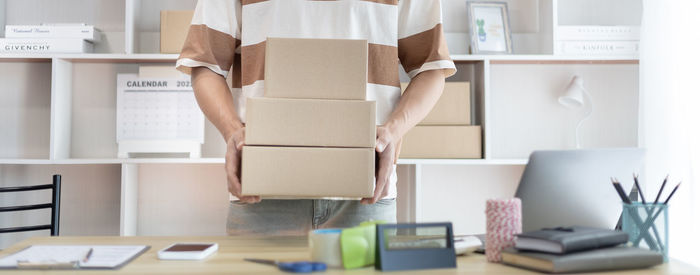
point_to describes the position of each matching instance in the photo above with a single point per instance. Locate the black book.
(570, 239)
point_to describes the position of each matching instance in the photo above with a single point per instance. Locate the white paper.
(103, 256)
(157, 109)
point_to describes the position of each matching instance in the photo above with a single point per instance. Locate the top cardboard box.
(316, 68)
(173, 30)
(453, 107)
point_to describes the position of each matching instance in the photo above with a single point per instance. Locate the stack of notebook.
(577, 249)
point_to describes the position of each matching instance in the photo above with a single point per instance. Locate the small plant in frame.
(482, 33)
(489, 27)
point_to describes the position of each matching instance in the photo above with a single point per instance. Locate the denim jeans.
(298, 217)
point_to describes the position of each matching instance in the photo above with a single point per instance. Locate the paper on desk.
(103, 256)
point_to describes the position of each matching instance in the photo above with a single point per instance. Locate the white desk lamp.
(574, 97)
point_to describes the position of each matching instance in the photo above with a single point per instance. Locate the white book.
(596, 48)
(598, 33)
(86, 32)
(45, 45)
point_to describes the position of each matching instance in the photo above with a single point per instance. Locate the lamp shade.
(573, 95)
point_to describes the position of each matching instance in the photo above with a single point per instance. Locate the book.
(596, 47)
(82, 31)
(72, 256)
(598, 33)
(611, 258)
(44, 45)
(572, 239)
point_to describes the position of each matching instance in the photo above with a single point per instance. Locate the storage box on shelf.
(173, 30)
(444, 133)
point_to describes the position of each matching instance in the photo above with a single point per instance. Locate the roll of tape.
(325, 247)
(503, 222)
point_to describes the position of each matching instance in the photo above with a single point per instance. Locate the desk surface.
(232, 250)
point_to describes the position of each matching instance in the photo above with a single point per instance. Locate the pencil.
(672, 192)
(636, 183)
(621, 192)
(663, 184)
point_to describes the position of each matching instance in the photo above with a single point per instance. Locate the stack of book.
(59, 38)
(577, 249)
(596, 40)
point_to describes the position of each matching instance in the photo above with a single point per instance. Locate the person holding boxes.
(233, 37)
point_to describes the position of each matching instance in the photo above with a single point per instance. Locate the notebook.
(73, 256)
(611, 258)
(569, 239)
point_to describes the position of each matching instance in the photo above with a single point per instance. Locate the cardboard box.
(174, 26)
(442, 142)
(307, 172)
(453, 107)
(310, 122)
(316, 68)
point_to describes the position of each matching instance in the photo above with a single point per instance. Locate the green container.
(647, 226)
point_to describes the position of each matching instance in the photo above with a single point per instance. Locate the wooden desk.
(232, 250)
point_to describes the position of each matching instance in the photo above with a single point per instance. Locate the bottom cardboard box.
(442, 142)
(307, 172)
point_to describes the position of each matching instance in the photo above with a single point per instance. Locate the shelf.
(464, 161)
(93, 57)
(546, 59)
(157, 57)
(221, 161)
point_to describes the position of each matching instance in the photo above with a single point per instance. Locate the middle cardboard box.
(310, 122)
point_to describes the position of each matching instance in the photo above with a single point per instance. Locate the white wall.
(458, 193)
(25, 101)
(182, 199)
(89, 199)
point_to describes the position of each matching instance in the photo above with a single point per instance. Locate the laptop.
(573, 187)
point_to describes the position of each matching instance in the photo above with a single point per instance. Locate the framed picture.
(489, 28)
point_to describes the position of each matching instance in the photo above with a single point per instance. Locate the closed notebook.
(570, 239)
(611, 258)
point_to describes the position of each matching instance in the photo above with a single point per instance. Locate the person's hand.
(234, 146)
(385, 147)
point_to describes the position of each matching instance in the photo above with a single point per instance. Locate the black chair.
(55, 206)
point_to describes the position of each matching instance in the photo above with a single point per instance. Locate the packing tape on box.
(325, 247)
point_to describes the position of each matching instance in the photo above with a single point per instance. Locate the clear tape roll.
(324, 245)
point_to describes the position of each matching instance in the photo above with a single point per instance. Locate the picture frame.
(489, 28)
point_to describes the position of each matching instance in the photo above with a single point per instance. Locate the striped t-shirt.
(229, 36)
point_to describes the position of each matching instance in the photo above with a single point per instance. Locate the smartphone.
(187, 251)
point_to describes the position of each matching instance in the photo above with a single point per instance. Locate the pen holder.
(647, 226)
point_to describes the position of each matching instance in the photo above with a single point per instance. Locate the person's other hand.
(234, 146)
(385, 147)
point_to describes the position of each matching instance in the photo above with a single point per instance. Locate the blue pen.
(294, 267)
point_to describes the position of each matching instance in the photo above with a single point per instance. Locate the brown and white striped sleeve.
(213, 37)
(421, 44)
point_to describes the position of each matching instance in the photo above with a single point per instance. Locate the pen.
(87, 256)
(663, 184)
(636, 183)
(620, 191)
(672, 192)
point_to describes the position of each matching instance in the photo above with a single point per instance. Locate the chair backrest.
(55, 206)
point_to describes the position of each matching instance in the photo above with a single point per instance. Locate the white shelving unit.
(58, 111)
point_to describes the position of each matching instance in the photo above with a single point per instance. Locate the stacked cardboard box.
(446, 132)
(174, 25)
(312, 135)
